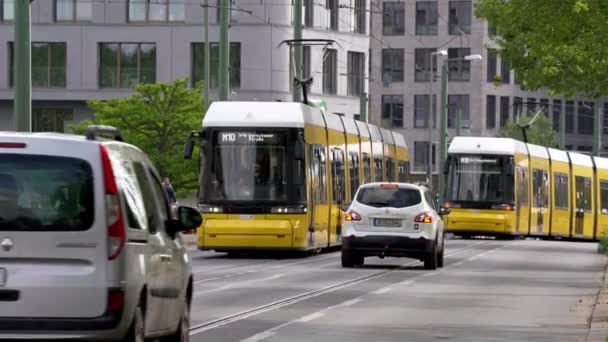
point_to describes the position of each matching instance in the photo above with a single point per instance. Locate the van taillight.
(116, 227)
(116, 300)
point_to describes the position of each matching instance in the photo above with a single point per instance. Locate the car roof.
(59, 137)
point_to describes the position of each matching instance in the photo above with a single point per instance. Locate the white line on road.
(383, 290)
(261, 336)
(311, 317)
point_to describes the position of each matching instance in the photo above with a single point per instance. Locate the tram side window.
(402, 172)
(367, 168)
(378, 169)
(583, 193)
(522, 186)
(561, 191)
(604, 197)
(390, 170)
(339, 176)
(540, 185)
(318, 171)
(354, 173)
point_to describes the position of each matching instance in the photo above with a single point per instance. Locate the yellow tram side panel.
(335, 140)
(352, 146)
(319, 212)
(560, 217)
(582, 220)
(601, 216)
(522, 211)
(540, 216)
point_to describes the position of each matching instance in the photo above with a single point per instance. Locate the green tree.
(553, 44)
(157, 118)
(541, 132)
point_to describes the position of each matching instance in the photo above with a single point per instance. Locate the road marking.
(352, 302)
(229, 286)
(261, 336)
(383, 290)
(311, 317)
(407, 282)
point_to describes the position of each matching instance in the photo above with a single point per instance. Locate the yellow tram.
(503, 187)
(274, 174)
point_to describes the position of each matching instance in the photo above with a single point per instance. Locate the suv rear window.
(45, 193)
(394, 198)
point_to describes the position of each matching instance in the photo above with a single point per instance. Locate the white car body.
(382, 229)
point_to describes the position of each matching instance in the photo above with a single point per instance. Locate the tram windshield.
(252, 167)
(480, 178)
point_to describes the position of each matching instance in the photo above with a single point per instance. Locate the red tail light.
(116, 228)
(352, 216)
(423, 218)
(389, 186)
(12, 145)
(116, 300)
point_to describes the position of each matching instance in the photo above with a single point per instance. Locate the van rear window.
(387, 197)
(45, 193)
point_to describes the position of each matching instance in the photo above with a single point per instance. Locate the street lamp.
(431, 76)
(443, 127)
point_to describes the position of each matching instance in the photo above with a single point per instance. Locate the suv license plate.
(387, 223)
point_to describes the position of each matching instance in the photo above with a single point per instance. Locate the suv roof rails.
(94, 130)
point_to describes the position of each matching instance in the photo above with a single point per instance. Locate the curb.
(598, 322)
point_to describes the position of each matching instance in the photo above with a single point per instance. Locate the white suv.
(88, 246)
(393, 219)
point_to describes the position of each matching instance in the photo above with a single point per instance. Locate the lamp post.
(431, 76)
(443, 124)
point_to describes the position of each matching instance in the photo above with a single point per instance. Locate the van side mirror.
(187, 219)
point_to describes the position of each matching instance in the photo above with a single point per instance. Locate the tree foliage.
(157, 118)
(541, 132)
(553, 44)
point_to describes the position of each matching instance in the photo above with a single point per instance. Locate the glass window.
(198, 64)
(309, 13)
(8, 10)
(505, 111)
(522, 186)
(540, 188)
(531, 105)
(490, 111)
(153, 216)
(557, 111)
(421, 111)
(156, 10)
(480, 178)
(604, 197)
(392, 65)
(505, 70)
(367, 168)
(561, 191)
(421, 154)
(333, 13)
(459, 70)
(457, 103)
(518, 107)
(460, 17)
(392, 110)
(137, 10)
(330, 72)
(73, 10)
(161, 196)
(390, 170)
(45, 193)
(403, 171)
(569, 116)
(360, 13)
(339, 176)
(422, 67)
(51, 119)
(48, 65)
(124, 65)
(354, 173)
(583, 193)
(544, 105)
(319, 174)
(426, 18)
(393, 22)
(379, 197)
(585, 117)
(378, 169)
(492, 65)
(356, 77)
(429, 199)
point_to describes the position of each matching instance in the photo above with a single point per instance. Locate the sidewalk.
(598, 329)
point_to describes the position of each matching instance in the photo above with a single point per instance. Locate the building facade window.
(51, 119)
(557, 111)
(492, 65)
(156, 10)
(460, 17)
(585, 117)
(505, 110)
(330, 72)
(7, 10)
(122, 65)
(392, 110)
(356, 77)
(309, 13)
(198, 64)
(421, 66)
(569, 116)
(459, 70)
(421, 156)
(333, 14)
(531, 105)
(392, 65)
(306, 60)
(421, 111)
(360, 16)
(491, 112)
(491, 30)
(518, 107)
(505, 70)
(426, 18)
(393, 18)
(73, 10)
(605, 123)
(457, 103)
(544, 105)
(49, 64)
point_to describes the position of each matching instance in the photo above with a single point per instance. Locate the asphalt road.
(522, 290)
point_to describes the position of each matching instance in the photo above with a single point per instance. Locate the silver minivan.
(89, 248)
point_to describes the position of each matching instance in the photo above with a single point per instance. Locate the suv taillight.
(352, 216)
(423, 218)
(116, 227)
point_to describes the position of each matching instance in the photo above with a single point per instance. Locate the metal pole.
(443, 129)
(597, 133)
(207, 57)
(429, 167)
(22, 75)
(363, 107)
(562, 127)
(224, 79)
(297, 34)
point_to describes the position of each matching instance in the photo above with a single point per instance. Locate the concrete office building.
(97, 49)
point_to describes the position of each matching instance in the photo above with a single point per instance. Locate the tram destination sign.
(478, 160)
(245, 138)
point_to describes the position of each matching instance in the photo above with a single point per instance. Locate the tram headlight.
(289, 210)
(209, 209)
